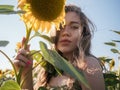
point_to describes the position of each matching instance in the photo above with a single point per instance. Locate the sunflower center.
(46, 10)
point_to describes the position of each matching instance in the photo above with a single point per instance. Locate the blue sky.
(105, 14)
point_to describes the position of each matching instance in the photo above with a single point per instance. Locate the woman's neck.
(68, 56)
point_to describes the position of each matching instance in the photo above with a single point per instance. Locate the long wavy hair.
(83, 47)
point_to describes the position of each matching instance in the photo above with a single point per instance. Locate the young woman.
(73, 42)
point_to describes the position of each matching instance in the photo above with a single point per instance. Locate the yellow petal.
(42, 14)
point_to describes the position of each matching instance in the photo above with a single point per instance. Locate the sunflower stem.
(19, 75)
(28, 31)
(10, 62)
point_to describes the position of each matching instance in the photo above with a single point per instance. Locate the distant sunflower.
(42, 14)
(18, 46)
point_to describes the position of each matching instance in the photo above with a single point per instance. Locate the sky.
(105, 14)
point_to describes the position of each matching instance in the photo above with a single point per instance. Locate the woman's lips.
(65, 41)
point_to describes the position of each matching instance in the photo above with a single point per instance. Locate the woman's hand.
(24, 62)
(23, 59)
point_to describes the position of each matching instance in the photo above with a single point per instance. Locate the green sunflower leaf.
(56, 60)
(8, 9)
(118, 32)
(114, 50)
(110, 43)
(3, 43)
(10, 85)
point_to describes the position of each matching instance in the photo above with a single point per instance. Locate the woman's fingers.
(23, 59)
(22, 63)
(23, 52)
(23, 43)
(19, 63)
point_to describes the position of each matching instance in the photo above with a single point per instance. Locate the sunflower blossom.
(18, 46)
(42, 14)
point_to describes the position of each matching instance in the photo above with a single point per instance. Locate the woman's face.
(69, 35)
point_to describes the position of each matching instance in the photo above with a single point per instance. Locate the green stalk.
(19, 75)
(10, 62)
(28, 31)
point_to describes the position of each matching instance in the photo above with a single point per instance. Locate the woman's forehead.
(72, 17)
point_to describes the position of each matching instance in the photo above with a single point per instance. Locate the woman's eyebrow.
(74, 22)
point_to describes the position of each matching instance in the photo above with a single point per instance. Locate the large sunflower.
(42, 14)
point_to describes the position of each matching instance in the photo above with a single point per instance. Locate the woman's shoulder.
(93, 63)
(93, 73)
(92, 59)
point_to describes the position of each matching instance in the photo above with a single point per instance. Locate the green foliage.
(8, 9)
(10, 85)
(42, 88)
(118, 32)
(114, 50)
(37, 34)
(3, 43)
(112, 77)
(110, 43)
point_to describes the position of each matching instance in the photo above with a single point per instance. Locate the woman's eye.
(74, 27)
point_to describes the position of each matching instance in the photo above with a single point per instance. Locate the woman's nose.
(65, 31)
